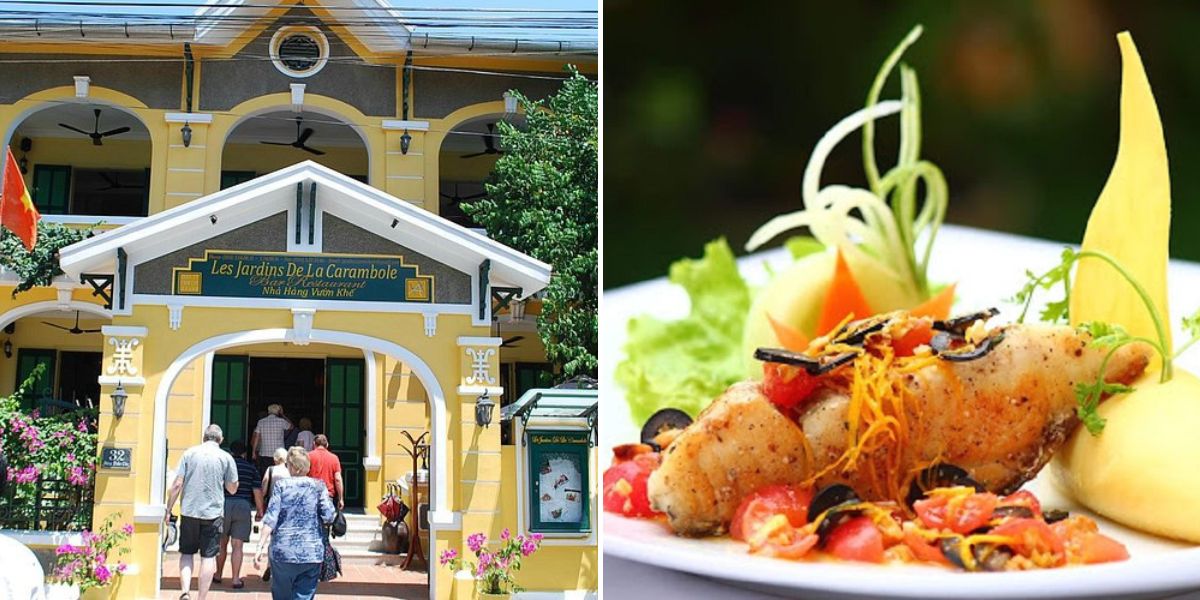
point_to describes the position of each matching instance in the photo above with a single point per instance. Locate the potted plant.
(494, 571)
(88, 567)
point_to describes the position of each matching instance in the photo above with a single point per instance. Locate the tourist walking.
(275, 473)
(237, 523)
(327, 467)
(203, 471)
(305, 438)
(296, 515)
(268, 436)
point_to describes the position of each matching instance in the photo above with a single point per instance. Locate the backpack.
(289, 438)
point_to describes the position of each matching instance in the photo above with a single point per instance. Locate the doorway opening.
(330, 392)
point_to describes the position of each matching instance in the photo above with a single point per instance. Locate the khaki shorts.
(237, 521)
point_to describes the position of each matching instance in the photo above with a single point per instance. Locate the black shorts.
(200, 535)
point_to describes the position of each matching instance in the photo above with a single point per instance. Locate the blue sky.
(413, 8)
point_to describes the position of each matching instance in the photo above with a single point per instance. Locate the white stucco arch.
(34, 308)
(436, 397)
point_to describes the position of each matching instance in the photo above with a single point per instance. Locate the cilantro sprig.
(1105, 336)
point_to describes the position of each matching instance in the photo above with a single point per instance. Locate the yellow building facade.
(281, 223)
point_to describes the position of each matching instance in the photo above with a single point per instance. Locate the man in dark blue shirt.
(237, 523)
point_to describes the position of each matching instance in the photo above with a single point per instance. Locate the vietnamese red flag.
(17, 212)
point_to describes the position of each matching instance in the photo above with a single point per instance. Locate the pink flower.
(102, 573)
(485, 559)
(65, 549)
(475, 541)
(504, 535)
(83, 426)
(447, 556)
(127, 528)
(528, 546)
(77, 476)
(121, 567)
(537, 537)
(70, 455)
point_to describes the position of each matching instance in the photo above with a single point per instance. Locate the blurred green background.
(711, 110)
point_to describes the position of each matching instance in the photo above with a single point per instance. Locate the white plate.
(989, 267)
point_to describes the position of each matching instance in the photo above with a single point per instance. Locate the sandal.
(237, 585)
(185, 596)
(216, 580)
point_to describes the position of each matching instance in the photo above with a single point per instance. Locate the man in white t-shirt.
(203, 471)
(268, 437)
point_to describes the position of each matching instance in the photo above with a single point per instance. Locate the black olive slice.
(1054, 515)
(980, 350)
(812, 365)
(988, 557)
(949, 547)
(939, 475)
(836, 516)
(960, 323)
(664, 420)
(854, 334)
(829, 497)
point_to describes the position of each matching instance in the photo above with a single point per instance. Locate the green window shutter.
(229, 407)
(51, 189)
(232, 178)
(27, 360)
(344, 402)
(559, 488)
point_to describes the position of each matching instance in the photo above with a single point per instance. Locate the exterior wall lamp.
(405, 142)
(510, 103)
(483, 410)
(7, 348)
(186, 133)
(118, 397)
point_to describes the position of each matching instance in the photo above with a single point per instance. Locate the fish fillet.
(1001, 417)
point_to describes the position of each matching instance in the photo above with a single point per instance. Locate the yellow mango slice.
(1132, 219)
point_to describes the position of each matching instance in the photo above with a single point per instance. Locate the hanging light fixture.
(405, 142)
(7, 348)
(483, 410)
(118, 397)
(186, 132)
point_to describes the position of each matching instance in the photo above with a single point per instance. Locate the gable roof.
(369, 208)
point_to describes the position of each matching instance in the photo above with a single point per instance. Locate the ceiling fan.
(512, 341)
(114, 183)
(96, 134)
(489, 143)
(301, 138)
(459, 199)
(72, 330)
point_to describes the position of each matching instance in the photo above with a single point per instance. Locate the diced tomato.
(1023, 498)
(625, 486)
(1031, 536)
(790, 501)
(923, 550)
(920, 333)
(1099, 548)
(857, 539)
(787, 386)
(960, 514)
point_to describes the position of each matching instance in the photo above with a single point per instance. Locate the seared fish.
(1000, 416)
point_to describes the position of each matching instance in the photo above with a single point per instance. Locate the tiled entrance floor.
(356, 581)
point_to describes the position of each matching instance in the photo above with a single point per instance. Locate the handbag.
(331, 560)
(338, 527)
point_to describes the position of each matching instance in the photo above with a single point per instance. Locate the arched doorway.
(65, 340)
(85, 161)
(467, 156)
(270, 140)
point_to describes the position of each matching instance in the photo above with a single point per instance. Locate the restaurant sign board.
(354, 277)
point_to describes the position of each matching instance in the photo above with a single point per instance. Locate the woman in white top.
(279, 471)
(304, 439)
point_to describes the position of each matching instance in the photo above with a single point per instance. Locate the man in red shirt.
(326, 467)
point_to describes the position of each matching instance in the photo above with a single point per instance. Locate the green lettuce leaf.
(687, 363)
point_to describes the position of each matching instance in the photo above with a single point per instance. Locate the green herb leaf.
(1087, 398)
(803, 245)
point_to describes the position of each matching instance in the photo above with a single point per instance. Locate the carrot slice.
(843, 298)
(937, 306)
(791, 338)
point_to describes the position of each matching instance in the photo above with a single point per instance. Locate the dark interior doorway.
(296, 384)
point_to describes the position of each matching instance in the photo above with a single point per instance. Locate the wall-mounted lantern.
(510, 103)
(405, 142)
(26, 146)
(186, 133)
(7, 348)
(118, 397)
(483, 410)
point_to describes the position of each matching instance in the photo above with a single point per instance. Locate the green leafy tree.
(542, 200)
(39, 267)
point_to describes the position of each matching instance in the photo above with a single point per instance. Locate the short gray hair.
(275, 409)
(297, 461)
(280, 455)
(212, 433)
